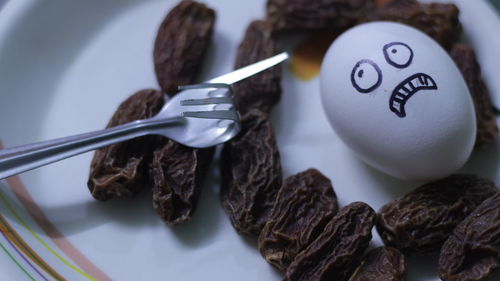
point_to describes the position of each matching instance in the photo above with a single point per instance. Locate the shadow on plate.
(207, 219)
(253, 244)
(485, 162)
(86, 215)
(212, 64)
(426, 268)
(422, 267)
(32, 64)
(251, 241)
(133, 213)
(392, 186)
(495, 276)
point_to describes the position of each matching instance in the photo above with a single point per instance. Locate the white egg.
(396, 98)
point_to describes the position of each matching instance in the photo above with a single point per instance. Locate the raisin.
(251, 174)
(294, 15)
(336, 252)
(121, 169)
(465, 58)
(263, 90)
(305, 203)
(382, 263)
(181, 43)
(472, 252)
(178, 173)
(420, 221)
(439, 21)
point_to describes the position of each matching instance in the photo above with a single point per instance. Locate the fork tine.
(206, 101)
(205, 85)
(220, 92)
(214, 114)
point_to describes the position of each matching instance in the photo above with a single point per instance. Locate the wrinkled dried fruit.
(180, 44)
(473, 250)
(263, 90)
(251, 174)
(121, 169)
(305, 203)
(420, 221)
(336, 252)
(439, 21)
(465, 58)
(178, 173)
(382, 263)
(294, 15)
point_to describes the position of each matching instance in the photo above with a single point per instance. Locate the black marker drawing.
(366, 76)
(406, 89)
(398, 54)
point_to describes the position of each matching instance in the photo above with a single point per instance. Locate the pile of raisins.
(300, 228)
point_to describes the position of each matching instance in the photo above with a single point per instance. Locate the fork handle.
(23, 158)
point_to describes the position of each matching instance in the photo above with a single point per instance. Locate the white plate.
(64, 67)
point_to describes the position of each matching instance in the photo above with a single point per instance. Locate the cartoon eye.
(366, 76)
(398, 54)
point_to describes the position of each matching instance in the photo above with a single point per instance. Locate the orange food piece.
(308, 55)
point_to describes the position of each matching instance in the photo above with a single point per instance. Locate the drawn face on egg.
(367, 76)
(397, 99)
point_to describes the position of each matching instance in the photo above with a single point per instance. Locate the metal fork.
(201, 115)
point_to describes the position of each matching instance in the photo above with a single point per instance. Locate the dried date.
(263, 90)
(305, 203)
(420, 221)
(338, 15)
(336, 252)
(121, 169)
(251, 174)
(178, 173)
(472, 252)
(465, 58)
(382, 263)
(439, 21)
(180, 44)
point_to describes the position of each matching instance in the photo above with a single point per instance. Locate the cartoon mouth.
(406, 89)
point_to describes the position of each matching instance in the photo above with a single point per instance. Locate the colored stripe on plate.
(90, 271)
(19, 242)
(16, 262)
